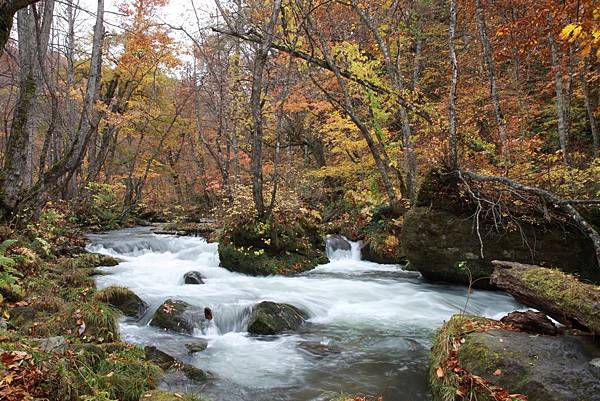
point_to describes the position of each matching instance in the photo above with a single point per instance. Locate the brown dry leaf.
(498, 372)
(439, 372)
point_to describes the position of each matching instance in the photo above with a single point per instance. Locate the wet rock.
(172, 365)
(270, 318)
(51, 345)
(544, 368)
(319, 349)
(177, 316)
(337, 242)
(158, 357)
(193, 277)
(548, 368)
(124, 300)
(531, 321)
(194, 373)
(196, 346)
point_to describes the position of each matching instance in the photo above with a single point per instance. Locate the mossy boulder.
(269, 318)
(441, 240)
(124, 300)
(263, 249)
(89, 260)
(543, 368)
(177, 316)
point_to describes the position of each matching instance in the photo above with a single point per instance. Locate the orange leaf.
(439, 372)
(498, 372)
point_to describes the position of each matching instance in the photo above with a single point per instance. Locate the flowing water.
(369, 330)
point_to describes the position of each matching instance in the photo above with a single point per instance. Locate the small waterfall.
(338, 247)
(228, 318)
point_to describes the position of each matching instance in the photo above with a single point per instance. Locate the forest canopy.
(350, 102)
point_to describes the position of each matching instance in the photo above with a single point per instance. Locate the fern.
(5, 245)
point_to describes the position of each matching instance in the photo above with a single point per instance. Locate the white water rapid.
(369, 331)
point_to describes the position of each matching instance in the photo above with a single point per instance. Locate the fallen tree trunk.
(559, 295)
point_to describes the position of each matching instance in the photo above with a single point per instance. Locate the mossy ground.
(58, 298)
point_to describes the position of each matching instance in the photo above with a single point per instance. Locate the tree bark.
(563, 128)
(8, 9)
(563, 303)
(452, 134)
(488, 57)
(260, 62)
(590, 107)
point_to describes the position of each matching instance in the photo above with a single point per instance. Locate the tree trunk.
(8, 9)
(488, 57)
(452, 134)
(590, 107)
(563, 128)
(260, 62)
(564, 303)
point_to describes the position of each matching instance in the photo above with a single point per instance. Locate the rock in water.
(178, 316)
(544, 368)
(531, 321)
(197, 346)
(172, 365)
(193, 277)
(337, 242)
(124, 300)
(272, 318)
(158, 357)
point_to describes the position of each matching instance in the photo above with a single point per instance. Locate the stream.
(369, 330)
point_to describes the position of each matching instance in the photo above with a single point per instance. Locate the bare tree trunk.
(410, 159)
(260, 61)
(563, 129)
(453, 138)
(17, 162)
(488, 57)
(590, 107)
(8, 9)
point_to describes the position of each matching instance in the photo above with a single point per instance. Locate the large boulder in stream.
(441, 239)
(479, 358)
(336, 242)
(262, 249)
(269, 318)
(178, 316)
(124, 300)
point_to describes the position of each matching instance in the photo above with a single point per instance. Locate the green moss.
(255, 263)
(444, 388)
(89, 260)
(263, 249)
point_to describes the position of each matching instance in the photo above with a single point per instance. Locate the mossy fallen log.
(559, 295)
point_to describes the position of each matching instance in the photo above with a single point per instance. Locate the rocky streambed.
(366, 327)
